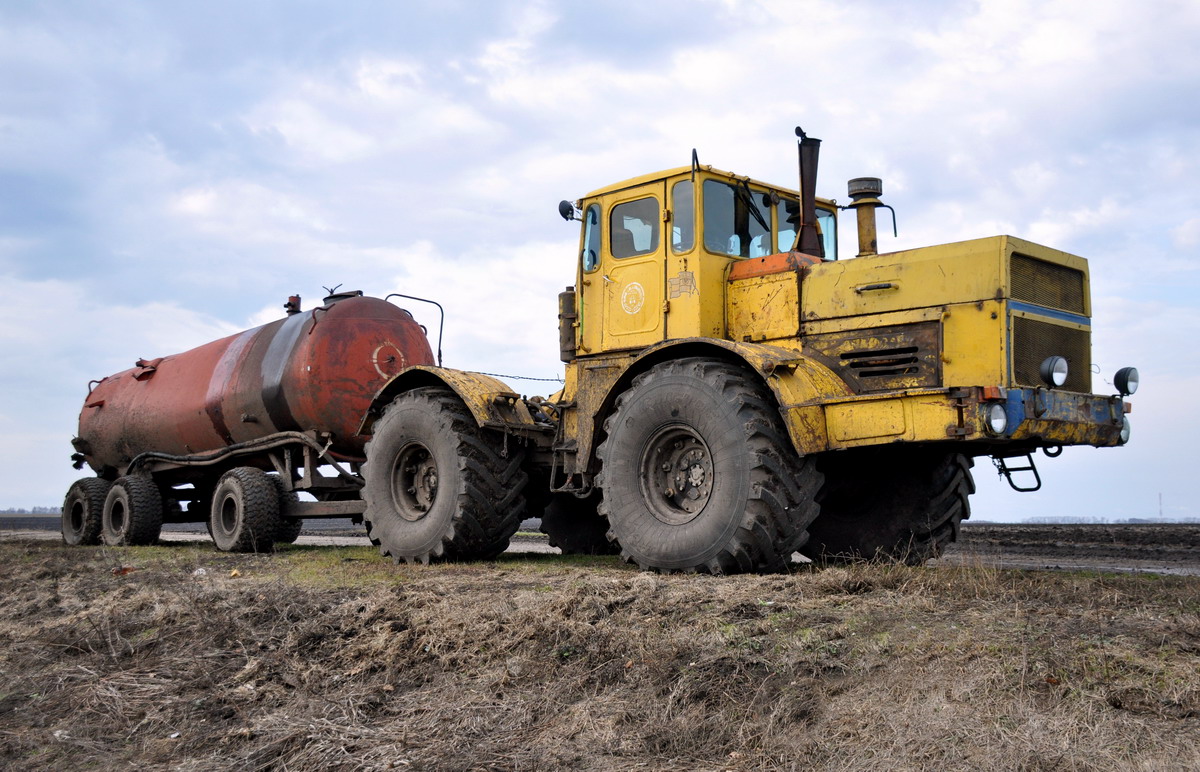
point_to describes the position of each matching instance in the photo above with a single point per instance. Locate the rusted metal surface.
(316, 370)
(770, 264)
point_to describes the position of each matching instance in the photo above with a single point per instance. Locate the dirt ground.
(180, 657)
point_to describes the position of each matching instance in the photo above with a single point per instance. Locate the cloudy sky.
(171, 172)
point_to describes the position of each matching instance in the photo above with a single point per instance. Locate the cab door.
(633, 264)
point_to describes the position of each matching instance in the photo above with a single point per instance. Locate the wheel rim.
(229, 514)
(414, 482)
(676, 475)
(76, 516)
(118, 516)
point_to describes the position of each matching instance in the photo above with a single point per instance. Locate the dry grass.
(332, 658)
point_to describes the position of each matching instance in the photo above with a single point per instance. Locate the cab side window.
(590, 254)
(683, 216)
(633, 228)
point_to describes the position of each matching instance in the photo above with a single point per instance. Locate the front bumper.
(1036, 417)
(1053, 417)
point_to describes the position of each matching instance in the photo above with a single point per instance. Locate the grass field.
(180, 657)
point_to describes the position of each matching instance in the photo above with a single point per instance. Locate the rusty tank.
(313, 371)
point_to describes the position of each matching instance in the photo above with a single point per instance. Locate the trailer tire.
(576, 527)
(289, 527)
(892, 504)
(133, 512)
(437, 485)
(698, 473)
(83, 511)
(245, 511)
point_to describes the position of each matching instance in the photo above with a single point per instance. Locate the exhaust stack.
(808, 241)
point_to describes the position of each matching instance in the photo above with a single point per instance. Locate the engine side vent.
(884, 363)
(1033, 341)
(904, 356)
(1047, 284)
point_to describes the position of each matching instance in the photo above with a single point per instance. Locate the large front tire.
(83, 511)
(902, 504)
(438, 486)
(245, 511)
(133, 512)
(698, 473)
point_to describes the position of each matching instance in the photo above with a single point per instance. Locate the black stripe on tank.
(222, 377)
(274, 364)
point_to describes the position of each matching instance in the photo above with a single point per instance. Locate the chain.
(524, 378)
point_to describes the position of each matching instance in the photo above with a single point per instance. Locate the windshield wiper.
(747, 197)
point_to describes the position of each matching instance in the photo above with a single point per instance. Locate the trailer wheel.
(83, 511)
(576, 527)
(698, 473)
(133, 512)
(289, 527)
(245, 511)
(438, 486)
(901, 504)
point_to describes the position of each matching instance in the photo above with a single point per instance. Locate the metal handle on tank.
(441, 322)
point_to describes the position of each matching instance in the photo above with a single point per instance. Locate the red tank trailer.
(204, 426)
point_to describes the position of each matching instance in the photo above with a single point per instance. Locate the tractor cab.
(656, 251)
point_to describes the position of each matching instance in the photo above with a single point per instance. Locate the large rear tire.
(133, 512)
(245, 511)
(698, 473)
(83, 511)
(576, 527)
(899, 504)
(437, 485)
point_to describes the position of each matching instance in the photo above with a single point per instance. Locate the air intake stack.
(864, 199)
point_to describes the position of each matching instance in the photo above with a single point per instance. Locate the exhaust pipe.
(808, 241)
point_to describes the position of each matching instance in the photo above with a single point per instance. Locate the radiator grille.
(1047, 284)
(1033, 341)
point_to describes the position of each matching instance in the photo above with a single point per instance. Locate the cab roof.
(634, 182)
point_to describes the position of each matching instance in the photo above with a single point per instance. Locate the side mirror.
(567, 210)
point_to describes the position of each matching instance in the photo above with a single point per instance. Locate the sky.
(171, 172)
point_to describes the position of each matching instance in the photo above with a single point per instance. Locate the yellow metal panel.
(891, 319)
(975, 346)
(917, 278)
(764, 307)
(915, 416)
(865, 420)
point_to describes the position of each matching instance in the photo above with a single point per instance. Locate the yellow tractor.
(734, 394)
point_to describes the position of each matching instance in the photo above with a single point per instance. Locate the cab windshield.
(742, 221)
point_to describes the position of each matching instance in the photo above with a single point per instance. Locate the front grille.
(1047, 284)
(1033, 341)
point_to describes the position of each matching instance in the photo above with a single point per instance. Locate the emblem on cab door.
(632, 297)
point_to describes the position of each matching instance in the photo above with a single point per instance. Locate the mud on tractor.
(733, 394)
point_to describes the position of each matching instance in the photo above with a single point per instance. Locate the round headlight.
(1125, 430)
(1126, 380)
(1054, 370)
(997, 417)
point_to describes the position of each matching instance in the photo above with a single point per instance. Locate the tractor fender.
(490, 402)
(801, 385)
